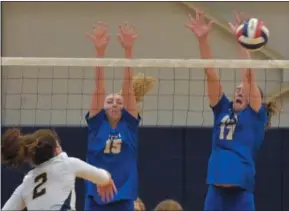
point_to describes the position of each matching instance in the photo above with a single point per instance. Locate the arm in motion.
(126, 37)
(15, 202)
(248, 78)
(213, 82)
(201, 29)
(100, 39)
(85, 171)
(249, 84)
(127, 89)
(98, 95)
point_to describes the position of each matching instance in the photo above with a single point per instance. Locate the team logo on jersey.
(114, 137)
(230, 119)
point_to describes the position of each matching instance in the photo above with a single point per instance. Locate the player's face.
(113, 105)
(58, 149)
(241, 99)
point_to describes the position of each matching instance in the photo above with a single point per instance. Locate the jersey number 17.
(227, 132)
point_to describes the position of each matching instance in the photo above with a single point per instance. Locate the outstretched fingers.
(211, 23)
(193, 21)
(133, 32)
(126, 31)
(201, 17)
(237, 17)
(99, 29)
(90, 36)
(232, 27)
(189, 26)
(124, 28)
(244, 16)
(198, 20)
(240, 17)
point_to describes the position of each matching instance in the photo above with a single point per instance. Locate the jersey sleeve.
(15, 202)
(130, 120)
(88, 172)
(94, 122)
(260, 115)
(221, 106)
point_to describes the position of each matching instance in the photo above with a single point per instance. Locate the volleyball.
(252, 34)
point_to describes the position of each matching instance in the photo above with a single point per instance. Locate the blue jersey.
(237, 137)
(116, 151)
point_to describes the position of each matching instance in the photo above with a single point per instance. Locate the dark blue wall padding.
(285, 168)
(173, 164)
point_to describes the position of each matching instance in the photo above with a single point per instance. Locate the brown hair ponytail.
(12, 152)
(272, 107)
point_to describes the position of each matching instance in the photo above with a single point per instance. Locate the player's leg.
(236, 199)
(214, 199)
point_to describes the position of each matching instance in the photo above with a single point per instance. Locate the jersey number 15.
(113, 146)
(39, 180)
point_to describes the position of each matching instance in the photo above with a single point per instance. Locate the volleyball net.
(57, 91)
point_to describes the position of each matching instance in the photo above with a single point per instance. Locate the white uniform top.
(50, 186)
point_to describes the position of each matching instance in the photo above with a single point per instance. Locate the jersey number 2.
(38, 190)
(231, 130)
(113, 146)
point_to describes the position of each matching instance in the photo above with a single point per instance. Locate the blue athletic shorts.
(229, 199)
(125, 205)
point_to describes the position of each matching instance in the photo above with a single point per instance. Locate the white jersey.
(50, 186)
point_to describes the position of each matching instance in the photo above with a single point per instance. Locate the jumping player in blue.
(238, 133)
(113, 130)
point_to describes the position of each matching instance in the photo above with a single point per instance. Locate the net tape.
(147, 63)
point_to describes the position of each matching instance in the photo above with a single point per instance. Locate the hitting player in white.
(50, 185)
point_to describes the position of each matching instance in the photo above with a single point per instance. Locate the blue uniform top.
(237, 137)
(114, 150)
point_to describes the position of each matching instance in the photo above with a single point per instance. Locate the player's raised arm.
(201, 29)
(251, 87)
(126, 36)
(100, 39)
(248, 77)
(15, 202)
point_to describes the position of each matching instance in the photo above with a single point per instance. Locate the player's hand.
(99, 37)
(198, 24)
(239, 19)
(107, 191)
(126, 36)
